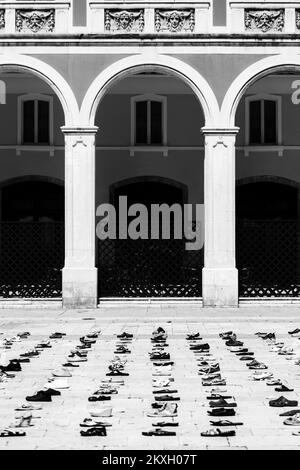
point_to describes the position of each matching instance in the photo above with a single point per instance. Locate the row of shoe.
(164, 408)
(8, 341)
(24, 416)
(210, 371)
(292, 416)
(57, 382)
(94, 425)
(291, 351)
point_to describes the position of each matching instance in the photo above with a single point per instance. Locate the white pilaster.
(79, 273)
(220, 276)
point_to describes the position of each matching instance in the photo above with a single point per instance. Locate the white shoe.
(62, 373)
(101, 412)
(57, 384)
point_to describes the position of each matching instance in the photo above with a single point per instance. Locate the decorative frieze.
(35, 21)
(264, 20)
(124, 21)
(2, 19)
(174, 21)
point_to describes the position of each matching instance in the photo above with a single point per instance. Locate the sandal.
(282, 401)
(10, 433)
(221, 412)
(293, 420)
(159, 432)
(221, 403)
(225, 422)
(217, 433)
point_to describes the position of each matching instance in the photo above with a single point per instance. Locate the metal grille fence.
(148, 268)
(267, 258)
(31, 259)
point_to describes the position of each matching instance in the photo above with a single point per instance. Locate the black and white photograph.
(149, 228)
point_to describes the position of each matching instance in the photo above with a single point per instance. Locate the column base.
(220, 287)
(80, 287)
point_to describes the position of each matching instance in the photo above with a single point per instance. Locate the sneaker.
(40, 396)
(101, 412)
(169, 410)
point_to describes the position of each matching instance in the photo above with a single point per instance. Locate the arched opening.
(268, 179)
(153, 154)
(31, 186)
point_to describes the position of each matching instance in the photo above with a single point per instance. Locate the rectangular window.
(263, 126)
(141, 122)
(270, 113)
(156, 122)
(28, 122)
(43, 122)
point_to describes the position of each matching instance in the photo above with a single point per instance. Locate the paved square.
(58, 425)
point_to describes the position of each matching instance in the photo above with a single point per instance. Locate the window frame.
(36, 97)
(264, 97)
(148, 97)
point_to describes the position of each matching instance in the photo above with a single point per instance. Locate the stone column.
(220, 276)
(79, 273)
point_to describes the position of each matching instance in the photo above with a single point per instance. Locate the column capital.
(89, 130)
(232, 131)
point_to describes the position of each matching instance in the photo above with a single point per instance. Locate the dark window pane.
(255, 122)
(270, 122)
(141, 122)
(156, 122)
(43, 122)
(28, 122)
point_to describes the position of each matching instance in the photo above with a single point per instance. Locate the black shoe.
(13, 366)
(99, 398)
(40, 396)
(200, 347)
(233, 342)
(70, 364)
(125, 335)
(221, 412)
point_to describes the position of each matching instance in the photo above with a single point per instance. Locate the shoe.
(295, 332)
(169, 410)
(52, 392)
(28, 408)
(159, 355)
(200, 347)
(293, 420)
(99, 398)
(283, 388)
(290, 413)
(61, 373)
(217, 433)
(13, 366)
(167, 398)
(94, 431)
(282, 402)
(214, 382)
(165, 390)
(56, 335)
(101, 412)
(193, 336)
(69, 364)
(89, 423)
(125, 335)
(40, 396)
(116, 373)
(273, 382)
(159, 432)
(221, 403)
(58, 384)
(232, 342)
(162, 424)
(221, 412)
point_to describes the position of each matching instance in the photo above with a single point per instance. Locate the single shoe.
(159, 355)
(164, 390)
(94, 431)
(162, 424)
(209, 370)
(290, 413)
(258, 375)
(26, 407)
(167, 398)
(85, 339)
(13, 366)
(295, 332)
(226, 333)
(168, 410)
(122, 350)
(40, 396)
(217, 396)
(283, 388)
(163, 364)
(90, 423)
(214, 382)
(221, 403)
(125, 335)
(159, 432)
(117, 373)
(269, 336)
(193, 336)
(273, 382)
(56, 335)
(293, 420)
(58, 384)
(225, 422)
(77, 359)
(232, 342)
(282, 402)
(32, 353)
(99, 398)
(62, 373)
(221, 412)
(217, 433)
(200, 347)
(209, 378)
(69, 364)
(101, 412)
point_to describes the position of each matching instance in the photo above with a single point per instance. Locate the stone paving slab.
(58, 425)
